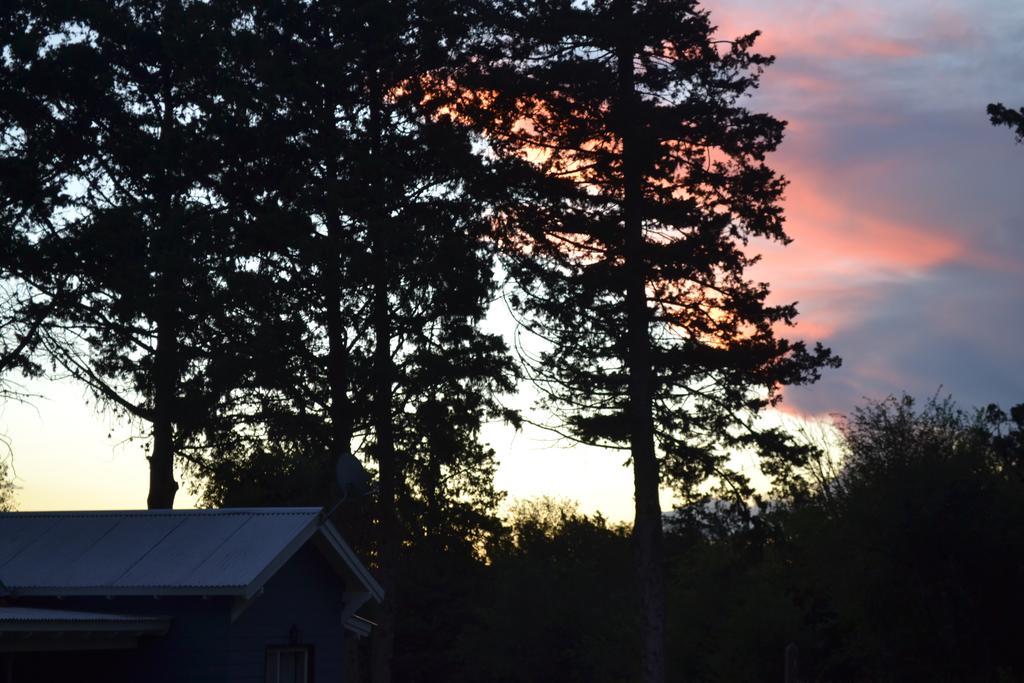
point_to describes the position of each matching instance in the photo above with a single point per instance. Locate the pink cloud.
(814, 29)
(844, 247)
(901, 204)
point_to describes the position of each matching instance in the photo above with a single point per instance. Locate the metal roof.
(157, 552)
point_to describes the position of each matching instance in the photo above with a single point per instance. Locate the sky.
(906, 209)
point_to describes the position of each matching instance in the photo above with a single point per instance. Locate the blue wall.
(199, 628)
(305, 594)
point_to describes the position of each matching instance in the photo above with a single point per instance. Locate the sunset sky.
(906, 207)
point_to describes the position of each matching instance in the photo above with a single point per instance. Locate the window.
(288, 665)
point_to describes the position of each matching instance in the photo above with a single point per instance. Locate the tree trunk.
(164, 249)
(337, 342)
(384, 449)
(647, 530)
(384, 443)
(332, 283)
(162, 486)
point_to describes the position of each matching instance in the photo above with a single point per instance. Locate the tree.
(127, 245)
(554, 599)
(1007, 439)
(1001, 115)
(914, 561)
(6, 485)
(22, 319)
(901, 563)
(370, 240)
(639, 184)
(30, 190)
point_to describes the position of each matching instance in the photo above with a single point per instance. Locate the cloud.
(958, 329)
(932, 54)
(905, 204)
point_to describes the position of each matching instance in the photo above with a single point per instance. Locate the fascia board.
(348, 556)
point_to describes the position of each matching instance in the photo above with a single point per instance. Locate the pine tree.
(129, 245)
(639, 186)
(369, 235)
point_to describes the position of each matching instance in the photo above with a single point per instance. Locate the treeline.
(266, 232)
(896, 557)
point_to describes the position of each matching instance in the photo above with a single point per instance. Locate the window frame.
(277, 650)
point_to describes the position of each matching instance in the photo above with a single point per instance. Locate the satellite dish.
(350, 476)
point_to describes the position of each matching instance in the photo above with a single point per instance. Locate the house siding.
(300, 605)
(193, 649)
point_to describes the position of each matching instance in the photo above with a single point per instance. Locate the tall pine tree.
(125, 241)
(641, 184)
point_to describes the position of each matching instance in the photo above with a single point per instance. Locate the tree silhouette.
(915, 560)
(22, 319)
(6, 483)
(125, 241)
(30, 189)
(1001, 115)
(639, 186)
(372, 273)
(555, 603)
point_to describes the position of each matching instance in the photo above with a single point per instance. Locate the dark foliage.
(116, 229)
(557, 604)
(908, 569)
(1000, 115)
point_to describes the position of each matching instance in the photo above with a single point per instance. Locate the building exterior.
(234, 595)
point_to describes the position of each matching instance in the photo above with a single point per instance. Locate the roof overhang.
(28, 629)
(331, 544)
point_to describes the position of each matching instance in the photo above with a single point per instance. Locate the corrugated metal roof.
(143, 552)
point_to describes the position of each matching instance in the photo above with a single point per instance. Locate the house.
(253, 595)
